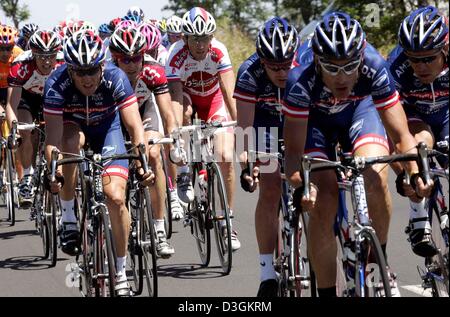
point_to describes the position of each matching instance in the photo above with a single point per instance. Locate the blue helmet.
(84, 49)
(277, 40)
(104, 28)
(338, 36)
(424, 29)
(134, 18)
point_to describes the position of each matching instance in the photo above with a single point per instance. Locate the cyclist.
(8, 53)
(104, 31)
(155, 50)
(26, 85)
(127, 47)
(174, 34)
(201, 77)
(259, 90)
(419, 66)
(344, 94)
(136, 11)
(85, 100)
(25, 34)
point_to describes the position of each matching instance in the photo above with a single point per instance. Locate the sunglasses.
(279, 67)
(201, 39)
(6, 48)
(128, 60)
(44, 58)
(82, 72)
(334, 69)
(423, 59)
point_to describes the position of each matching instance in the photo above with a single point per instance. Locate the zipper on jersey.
(279, 102)
(434, 96)
(87, 110)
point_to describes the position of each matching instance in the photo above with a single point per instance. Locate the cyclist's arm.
(164, 103)
(245, 118)
(396, 124)
(176, 94)
(294, 135)
(14, 95)
(54, 128)
(227, 83)
(131, 118)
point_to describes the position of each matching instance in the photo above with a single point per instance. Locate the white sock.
(28, 171)
(266, 267)
(418, 210)
(68, 214)
(183, 169)
(223, 223)
(159, 226)
(121, 265)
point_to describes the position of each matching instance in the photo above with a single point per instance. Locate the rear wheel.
(10, 187)
(51, 210)
(148, 237)
(168, 213)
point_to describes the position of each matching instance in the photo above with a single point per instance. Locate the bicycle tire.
(223, 242)
(199, 221)
(371, 250)
(110, 258)
(152, 272)
(168, 211)
(10, 188)
(135, 252)
(50, 220)
(38, 208)
(279, 260)
(87, 248)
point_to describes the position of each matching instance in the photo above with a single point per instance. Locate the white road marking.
(418, 289)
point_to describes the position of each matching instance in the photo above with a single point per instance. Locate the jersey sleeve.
(297, 97)
(123, 93)
(155, 79)
(246, 86)
(223, 58)
(384, 93)
(175, 63)
(19, 74)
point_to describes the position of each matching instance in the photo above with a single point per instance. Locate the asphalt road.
(23, 272)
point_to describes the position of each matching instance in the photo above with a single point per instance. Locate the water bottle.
(203, 184)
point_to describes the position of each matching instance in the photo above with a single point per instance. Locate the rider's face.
(277, 72)
(340, 84)
(174, 37)
(87, 81)
(427, 65)
(5, 53)
(199, 46)
(132, 66)
(45, 63)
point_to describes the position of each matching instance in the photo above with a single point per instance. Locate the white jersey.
(200, 78)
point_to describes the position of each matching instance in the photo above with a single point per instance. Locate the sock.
(68, 214)
(327, 292)
(183, 169)
(121, 265)
(223, 223)
(266, 266)
(159, 226)
(28, 171)
(418, 210)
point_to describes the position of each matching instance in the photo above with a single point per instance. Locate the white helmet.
(174, 25)
(198, 21)
(136, 11)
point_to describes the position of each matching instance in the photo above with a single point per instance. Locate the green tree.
(16, 12)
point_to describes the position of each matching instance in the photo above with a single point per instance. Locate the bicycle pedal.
(209, 223)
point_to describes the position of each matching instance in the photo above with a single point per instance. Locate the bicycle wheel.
(148, 239)
(38, 208)
(50, 222)
(371, 277)
(279, 261)
(10, 188)
(105, 268)
(220, 214)
(168, 213)
(200, 224)
(87, 287)
(438, 265)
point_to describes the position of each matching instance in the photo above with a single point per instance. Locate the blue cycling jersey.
(305, 89)
(424, 98)
(62, 98)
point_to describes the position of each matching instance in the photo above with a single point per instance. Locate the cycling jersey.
(162, 57)
(96, 113)
(165, 41)
(22, 43)
(5, 67)
(353, 118)
(254, 86)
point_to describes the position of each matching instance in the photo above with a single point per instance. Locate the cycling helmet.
(45, 42)
(7, 35)
(104, 28)
(136, 11)
(84, 49)
(127, 24)
(162, 25)
(152, 35)
(174, 25)
(424, 29)
(127, 41)
(338, 36)
(132, 18)
(198, 22)
(72, 27)
(114, 23)
(28, 30)
(88, 26)
(277, 40)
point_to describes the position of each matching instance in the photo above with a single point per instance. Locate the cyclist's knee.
(187, 113)
(154, 157)
(376, 180)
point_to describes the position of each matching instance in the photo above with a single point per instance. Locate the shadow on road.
(190, 271)
(26, 263)
(12, 234)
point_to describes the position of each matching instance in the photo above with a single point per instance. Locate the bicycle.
(210, 209)
(96, 268)
(142, 241)
(436, 272)
(290, 258)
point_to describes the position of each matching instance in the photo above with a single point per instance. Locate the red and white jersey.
(163, 55)
(152, 80)
(25, 74)
(200, 78)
